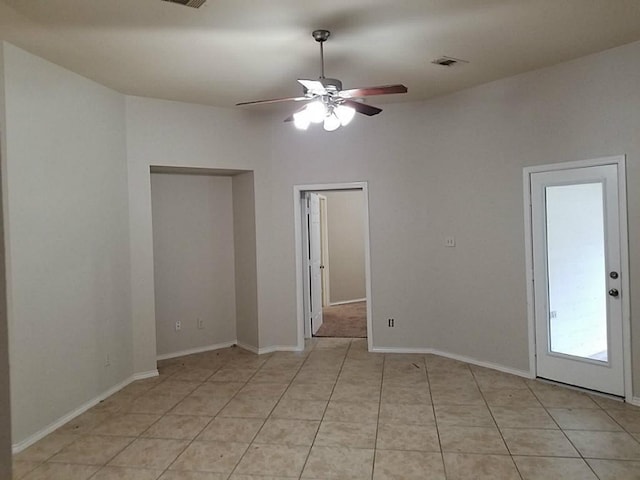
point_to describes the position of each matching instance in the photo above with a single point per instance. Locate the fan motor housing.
(331, 84)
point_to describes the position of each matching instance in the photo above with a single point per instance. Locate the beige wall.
(66, 218)
(189, 136)
(450, 166)
(5, 407)
(193, 251)
(345, 229)
(244, 232)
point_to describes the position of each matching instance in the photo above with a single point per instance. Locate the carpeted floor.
(349, 320)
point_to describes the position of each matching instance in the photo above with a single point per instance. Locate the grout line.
(264, 421)
(216, 415)
(546, 409)
(475, 379)
(306, 460)
(260, 366)
(435, 419)
(375, 444)
(563, 430)
(121, 412)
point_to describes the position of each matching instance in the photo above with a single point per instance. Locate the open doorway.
(332, 258)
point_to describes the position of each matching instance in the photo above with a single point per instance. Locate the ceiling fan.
(326, 101)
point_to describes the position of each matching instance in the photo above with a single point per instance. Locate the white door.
(577, 277)
(324, 241)
(315, 262)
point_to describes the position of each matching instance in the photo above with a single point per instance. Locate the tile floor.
(338, 412)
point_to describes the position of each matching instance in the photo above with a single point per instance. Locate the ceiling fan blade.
(314, 87)
(368, 91)
(363, 108)
(274, 100)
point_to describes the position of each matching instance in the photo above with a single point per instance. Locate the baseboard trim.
(635, 401)
(192, 351)
(346, 302)
(453, 356)
(248, 348)
(145, 375)
(279, 348)
(218, 346)
(39, 435)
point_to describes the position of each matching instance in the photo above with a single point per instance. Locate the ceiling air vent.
(448, 61)
(188, 3)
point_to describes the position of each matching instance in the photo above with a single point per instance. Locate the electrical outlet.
(200, 323)
(391, 322)
(107, 360)
(178, 326)
(449, 241)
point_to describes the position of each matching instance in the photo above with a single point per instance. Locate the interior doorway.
(332, 261)
(579, 286)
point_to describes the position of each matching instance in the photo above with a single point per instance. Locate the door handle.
(614, 292)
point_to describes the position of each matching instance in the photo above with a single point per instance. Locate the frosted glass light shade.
(301, 120)
(331, 122)
(316, 111)
(344, 114)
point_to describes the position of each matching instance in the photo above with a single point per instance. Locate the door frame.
(298, 190)
(620, 162)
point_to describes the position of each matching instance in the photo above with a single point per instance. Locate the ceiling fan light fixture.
(326, 101)
(345, 114)
(331, 122)
(316, 111)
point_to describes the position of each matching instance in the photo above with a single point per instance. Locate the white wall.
(345, 231)
(67, 240)
(193, 251)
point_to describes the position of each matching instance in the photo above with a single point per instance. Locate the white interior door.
(324, 241)
(577, 277)
(315, 262)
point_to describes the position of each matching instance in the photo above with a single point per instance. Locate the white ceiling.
(236, 50)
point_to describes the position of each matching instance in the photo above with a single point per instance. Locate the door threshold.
(608, 396)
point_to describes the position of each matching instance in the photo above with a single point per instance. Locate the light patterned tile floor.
(336, 411)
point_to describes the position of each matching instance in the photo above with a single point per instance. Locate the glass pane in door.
(576, 269)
